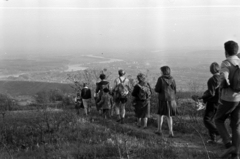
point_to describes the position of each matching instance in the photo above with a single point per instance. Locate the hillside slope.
(30, 87)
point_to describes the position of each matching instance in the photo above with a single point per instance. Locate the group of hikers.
(222, 100)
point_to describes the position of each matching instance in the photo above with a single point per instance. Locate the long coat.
(166, 88)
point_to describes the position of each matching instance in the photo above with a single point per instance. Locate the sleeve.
(114, 85)
(90, 93)
(82, 92)
(158, 85)
(101, 101)
(97, 87)
(210, 92)
(150, 88)
(111, 101)
(174, 86)
(225, 72)
(135, 91)
(128, 85)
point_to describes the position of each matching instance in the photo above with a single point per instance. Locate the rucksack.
(121, 89)
(144, 92)
(235, 78)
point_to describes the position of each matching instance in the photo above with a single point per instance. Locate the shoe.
(158, 133)
(118, 120)
(228, 145)
(145, 127)
(171, 136)
(228, 152)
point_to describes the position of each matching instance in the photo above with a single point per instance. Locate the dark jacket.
(137, 102)
(212, 94)
(86, 93)
(166, 88)
(100, 84)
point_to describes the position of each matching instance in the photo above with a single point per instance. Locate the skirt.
(167, 108)
(142, 109)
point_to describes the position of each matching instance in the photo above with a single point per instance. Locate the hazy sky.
(92, 26)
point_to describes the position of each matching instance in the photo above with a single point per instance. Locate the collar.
(234, 57)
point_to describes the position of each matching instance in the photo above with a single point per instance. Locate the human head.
(102, 76)
(231, 48)
(214, 68)
(78, 94)
(141, 77)
(85, 84)
(166, 70)
(105, 90)
(121, 72)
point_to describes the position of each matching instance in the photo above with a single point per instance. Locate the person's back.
(99, 90)
(86, 93)
(228, 67)
(106, 101)
(230, 101)
(166, 87)
(121, 90)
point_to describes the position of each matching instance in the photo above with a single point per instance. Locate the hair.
(214, 68)
(166, 70)
(141, 77)
(102, 76)
(106, 90)
(231, 47)
(121, 72)
(85, 84)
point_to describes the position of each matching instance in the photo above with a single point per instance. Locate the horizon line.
(119, 8)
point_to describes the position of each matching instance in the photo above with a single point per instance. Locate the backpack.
(235, 79)
(121, 89)
(144, 92)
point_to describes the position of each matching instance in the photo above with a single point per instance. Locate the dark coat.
(212, 93)
(166, 88)
(86, 93)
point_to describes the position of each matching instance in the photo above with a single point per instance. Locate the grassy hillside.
(60, 133)
(30, 88)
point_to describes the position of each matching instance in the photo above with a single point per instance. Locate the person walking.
(86, 98)
(107, 103)
(121, 91)
(78, 103)
(166, 89)
(99, 90)
(211, 98)
(142, 94)
(230, 101)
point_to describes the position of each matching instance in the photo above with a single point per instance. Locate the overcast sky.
(92, 26)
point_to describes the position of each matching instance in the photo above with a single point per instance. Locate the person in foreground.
(166, 89)
(211, 98)
(230, 101)
(142, 93)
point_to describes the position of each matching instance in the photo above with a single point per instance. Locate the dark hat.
(121, 72)
(102, 76)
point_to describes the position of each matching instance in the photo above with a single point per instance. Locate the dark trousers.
(232, 110)
(211, 109)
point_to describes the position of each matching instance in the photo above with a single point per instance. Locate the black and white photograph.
(119, 79)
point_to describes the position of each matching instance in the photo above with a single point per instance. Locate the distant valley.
(187, 66)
